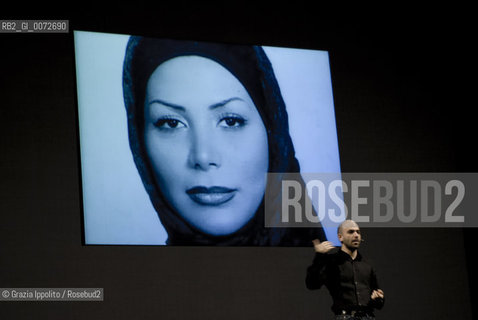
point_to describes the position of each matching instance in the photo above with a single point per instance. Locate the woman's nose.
(204, 151)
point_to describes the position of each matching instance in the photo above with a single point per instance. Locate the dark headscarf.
(250, 65)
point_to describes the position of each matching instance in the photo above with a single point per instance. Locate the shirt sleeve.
(379, 302)
(316, 273)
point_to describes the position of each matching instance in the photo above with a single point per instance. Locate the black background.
(402, 99)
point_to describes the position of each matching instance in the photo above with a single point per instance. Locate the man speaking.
(350, 279)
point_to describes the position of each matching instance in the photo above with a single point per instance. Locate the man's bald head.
(346, 225)
(349, 235)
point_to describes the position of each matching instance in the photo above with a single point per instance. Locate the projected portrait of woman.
(206, 123)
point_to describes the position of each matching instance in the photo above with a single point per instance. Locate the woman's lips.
(212, 196)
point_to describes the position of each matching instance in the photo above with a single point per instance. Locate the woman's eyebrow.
(167, 104)
(224, 102)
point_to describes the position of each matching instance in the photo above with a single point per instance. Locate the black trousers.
(350, 317)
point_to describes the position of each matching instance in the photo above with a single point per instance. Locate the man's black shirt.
(349, 281)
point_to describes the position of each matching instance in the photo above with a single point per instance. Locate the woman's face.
(206, 143)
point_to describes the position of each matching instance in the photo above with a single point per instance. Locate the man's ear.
(340, 237)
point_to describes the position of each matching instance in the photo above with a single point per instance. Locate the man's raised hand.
(322, 247)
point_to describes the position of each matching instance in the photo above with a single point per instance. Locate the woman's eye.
(167, 123)
(230, 122)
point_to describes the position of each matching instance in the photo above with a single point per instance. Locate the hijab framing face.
(206, 122)
(206, 144)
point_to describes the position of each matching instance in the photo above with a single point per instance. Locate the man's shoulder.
(330, 255)
(334, 255)
(365, 260)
